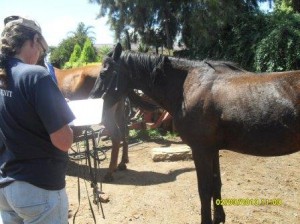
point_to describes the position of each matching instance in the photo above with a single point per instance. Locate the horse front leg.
(124, 160)
(113, 160)
(204, 167)
(219, 214)
(122, 120)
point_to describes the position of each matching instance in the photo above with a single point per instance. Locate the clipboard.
(87, 112)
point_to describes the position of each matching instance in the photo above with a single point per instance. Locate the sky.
(59, 17)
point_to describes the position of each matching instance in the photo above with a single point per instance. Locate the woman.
(34, 118)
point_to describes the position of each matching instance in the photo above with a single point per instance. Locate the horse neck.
(165, 89)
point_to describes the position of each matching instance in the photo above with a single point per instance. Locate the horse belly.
(260, 120)
(263, 141)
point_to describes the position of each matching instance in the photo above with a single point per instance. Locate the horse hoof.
(108, 178)
(122, 166)
(219, 220)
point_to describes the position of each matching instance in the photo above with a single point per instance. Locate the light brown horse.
(76, 84)
(215, 105)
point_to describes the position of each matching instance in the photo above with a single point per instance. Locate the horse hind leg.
(219, 214)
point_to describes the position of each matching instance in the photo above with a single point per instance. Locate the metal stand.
(93, 162)
(93, 171)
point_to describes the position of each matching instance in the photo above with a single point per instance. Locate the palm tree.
(82, 33)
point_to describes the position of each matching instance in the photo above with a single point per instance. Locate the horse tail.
(141, 102)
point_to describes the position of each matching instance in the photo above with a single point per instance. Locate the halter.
(110, 83)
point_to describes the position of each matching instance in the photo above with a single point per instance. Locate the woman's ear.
(35, 38)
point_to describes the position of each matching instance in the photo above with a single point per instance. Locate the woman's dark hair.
(12, 40)
(3, 65)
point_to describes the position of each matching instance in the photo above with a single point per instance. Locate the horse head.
(111, 84)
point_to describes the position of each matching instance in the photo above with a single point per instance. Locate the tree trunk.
(167, 23)
(128, 44)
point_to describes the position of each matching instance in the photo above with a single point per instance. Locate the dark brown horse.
(76, 84)
(214, 105)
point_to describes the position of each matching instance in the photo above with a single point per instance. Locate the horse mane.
(217, 65)
(145, 63)
(142, 63)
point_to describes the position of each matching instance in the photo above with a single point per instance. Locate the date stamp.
(249, 202)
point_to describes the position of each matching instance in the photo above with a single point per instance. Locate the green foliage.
(74, 58)
(76, 64)
(287, 6)
(170, 135)
(234, 41)
(147, 135)
(151, 134)
(256, 41)
(239, 44)
(155, 21)
(88, 53)
(103, 52)
(279, 50)
(75, 54)
(133, 134)
(61, 54)
(143, 48)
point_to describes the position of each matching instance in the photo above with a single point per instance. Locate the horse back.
(76, 83)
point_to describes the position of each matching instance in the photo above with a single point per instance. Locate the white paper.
(87, 112)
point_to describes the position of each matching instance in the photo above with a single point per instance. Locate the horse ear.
(117, 52)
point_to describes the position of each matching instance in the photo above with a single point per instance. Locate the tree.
(279, 50)
(103, 52)
(159, 22)
(88, 53)
(153, 21)
(75, 54)
(74, 58)
(216, 29)
(82, 32)
(60, 55)
(288, 6)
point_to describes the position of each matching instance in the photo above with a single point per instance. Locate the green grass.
(151, 134)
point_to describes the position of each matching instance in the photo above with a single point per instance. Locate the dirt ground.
(166, 192)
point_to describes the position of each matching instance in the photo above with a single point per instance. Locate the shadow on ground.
(125, 177)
